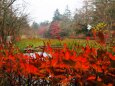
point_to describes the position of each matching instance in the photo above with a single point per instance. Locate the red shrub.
(90, 67)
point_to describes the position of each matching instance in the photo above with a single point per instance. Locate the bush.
(91, 66)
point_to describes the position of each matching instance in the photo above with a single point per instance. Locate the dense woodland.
(92, 13)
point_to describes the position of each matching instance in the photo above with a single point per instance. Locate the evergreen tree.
(67, 12)
(35, 25)
(57, 15)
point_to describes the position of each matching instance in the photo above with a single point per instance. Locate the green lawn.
(26, 42)
(54, 42)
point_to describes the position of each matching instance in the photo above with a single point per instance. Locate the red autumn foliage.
(55, 29)
(91, 66)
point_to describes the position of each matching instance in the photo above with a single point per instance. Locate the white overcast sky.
(42, 10)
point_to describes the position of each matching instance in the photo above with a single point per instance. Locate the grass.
(26, 42)
(54, 42)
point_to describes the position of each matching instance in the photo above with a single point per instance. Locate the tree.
(35, 25)
(5, 8)
(65, 26)
(10, 23)
(67, 13)
(65, 23)
(82, 18)
(80, 22)
(43, 28)
(57, 15)
(54, 29)
(105, 12)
